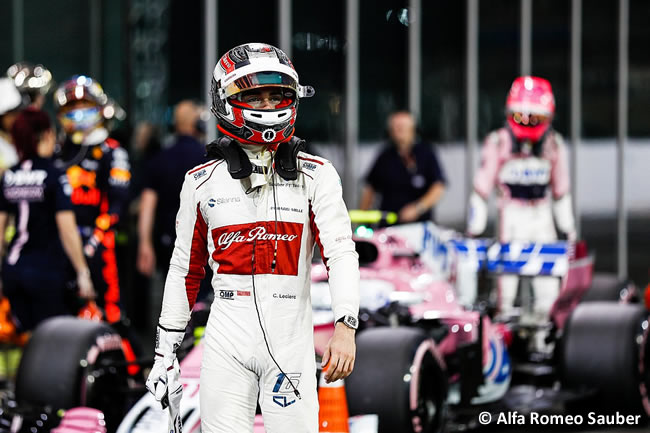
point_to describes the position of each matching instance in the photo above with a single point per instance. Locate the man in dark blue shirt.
(406, 174)
(162, 182)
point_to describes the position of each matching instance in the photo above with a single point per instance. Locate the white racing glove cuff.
(168, 341)
(164, 379)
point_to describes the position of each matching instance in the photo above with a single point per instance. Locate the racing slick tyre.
(398, 376)
(72, 362)
(607, 287)
(605, 349)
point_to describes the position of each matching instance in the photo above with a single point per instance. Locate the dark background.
(146, 41)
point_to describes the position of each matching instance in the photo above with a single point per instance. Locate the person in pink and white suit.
(527, 161)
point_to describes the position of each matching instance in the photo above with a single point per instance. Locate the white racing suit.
(533, 188)
(237, 226)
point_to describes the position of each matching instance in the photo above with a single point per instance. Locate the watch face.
(351, 322)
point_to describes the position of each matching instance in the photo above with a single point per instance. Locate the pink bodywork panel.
(191, 364)
(438, 297)
(575, 284)
(82, 419)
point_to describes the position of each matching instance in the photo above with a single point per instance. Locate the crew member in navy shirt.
(160, 197)
(37, 194)
(406, 174)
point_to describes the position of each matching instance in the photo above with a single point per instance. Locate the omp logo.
(258, 233)
(227, 294)
(309, 166)
(21, 178)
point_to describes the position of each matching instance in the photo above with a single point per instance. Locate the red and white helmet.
(530, 107)
(253, 66)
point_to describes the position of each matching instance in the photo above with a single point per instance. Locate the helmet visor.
(81, 119)
(260, 79)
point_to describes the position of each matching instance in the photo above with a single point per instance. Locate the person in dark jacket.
(37, 194)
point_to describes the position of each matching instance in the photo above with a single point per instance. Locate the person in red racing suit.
(528, 162)
(99, 174)
(255, 212)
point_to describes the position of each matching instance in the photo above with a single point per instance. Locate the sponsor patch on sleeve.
(199, 174)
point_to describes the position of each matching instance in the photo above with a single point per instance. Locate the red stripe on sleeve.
(198, 258)
(311, 160)
(316, 233)
(202, 166)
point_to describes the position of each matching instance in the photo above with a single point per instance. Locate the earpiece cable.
(259, 318)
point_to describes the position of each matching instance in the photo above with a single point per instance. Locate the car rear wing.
(445, 248)
(521, 258)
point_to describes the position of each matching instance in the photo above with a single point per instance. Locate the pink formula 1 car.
(431, 355)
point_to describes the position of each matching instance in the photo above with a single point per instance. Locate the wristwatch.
(349, 321)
